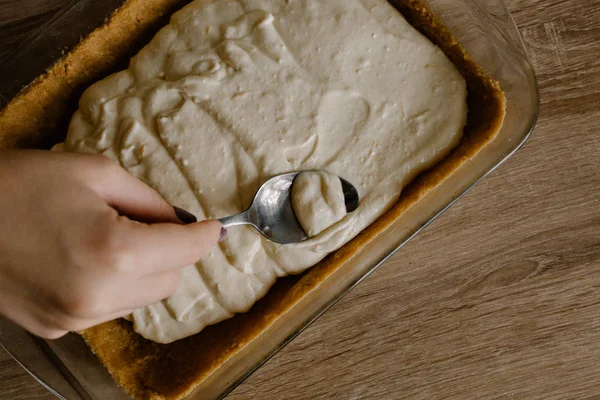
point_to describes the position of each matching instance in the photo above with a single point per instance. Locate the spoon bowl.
(271, 212)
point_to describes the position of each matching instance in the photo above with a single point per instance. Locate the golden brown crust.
(148, 370)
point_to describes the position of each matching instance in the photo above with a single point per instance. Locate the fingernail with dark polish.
(185, 216)
(223, 234)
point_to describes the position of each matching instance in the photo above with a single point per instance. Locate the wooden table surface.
(500, 297)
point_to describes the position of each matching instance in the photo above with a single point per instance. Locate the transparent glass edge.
(48, 44)
(6, 325)
(34, 376)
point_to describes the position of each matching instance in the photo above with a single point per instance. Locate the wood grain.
(18, 19)
(500, 297)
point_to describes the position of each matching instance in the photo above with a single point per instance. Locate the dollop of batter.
(318, 201)
(231, 93)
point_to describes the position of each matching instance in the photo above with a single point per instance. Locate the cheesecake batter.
(318, 201)
(234, 92)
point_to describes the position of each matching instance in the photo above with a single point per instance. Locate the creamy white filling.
(317, 199)
(234, 92)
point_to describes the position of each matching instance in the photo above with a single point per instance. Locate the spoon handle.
(239, 219)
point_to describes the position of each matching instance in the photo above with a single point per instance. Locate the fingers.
(142, 292)
(152, 288)
(162, 247)
(117, 187)
(82, 324)
(129, 195)
(34, 321)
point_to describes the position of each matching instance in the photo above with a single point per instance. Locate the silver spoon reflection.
(271, 212)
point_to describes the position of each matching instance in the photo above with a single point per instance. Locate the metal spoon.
(271, 212)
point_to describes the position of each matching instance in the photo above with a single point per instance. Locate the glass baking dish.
(68, 369)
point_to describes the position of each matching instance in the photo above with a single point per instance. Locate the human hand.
(71, 252)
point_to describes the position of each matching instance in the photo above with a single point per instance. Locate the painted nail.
(185, 216)
(223, 234)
